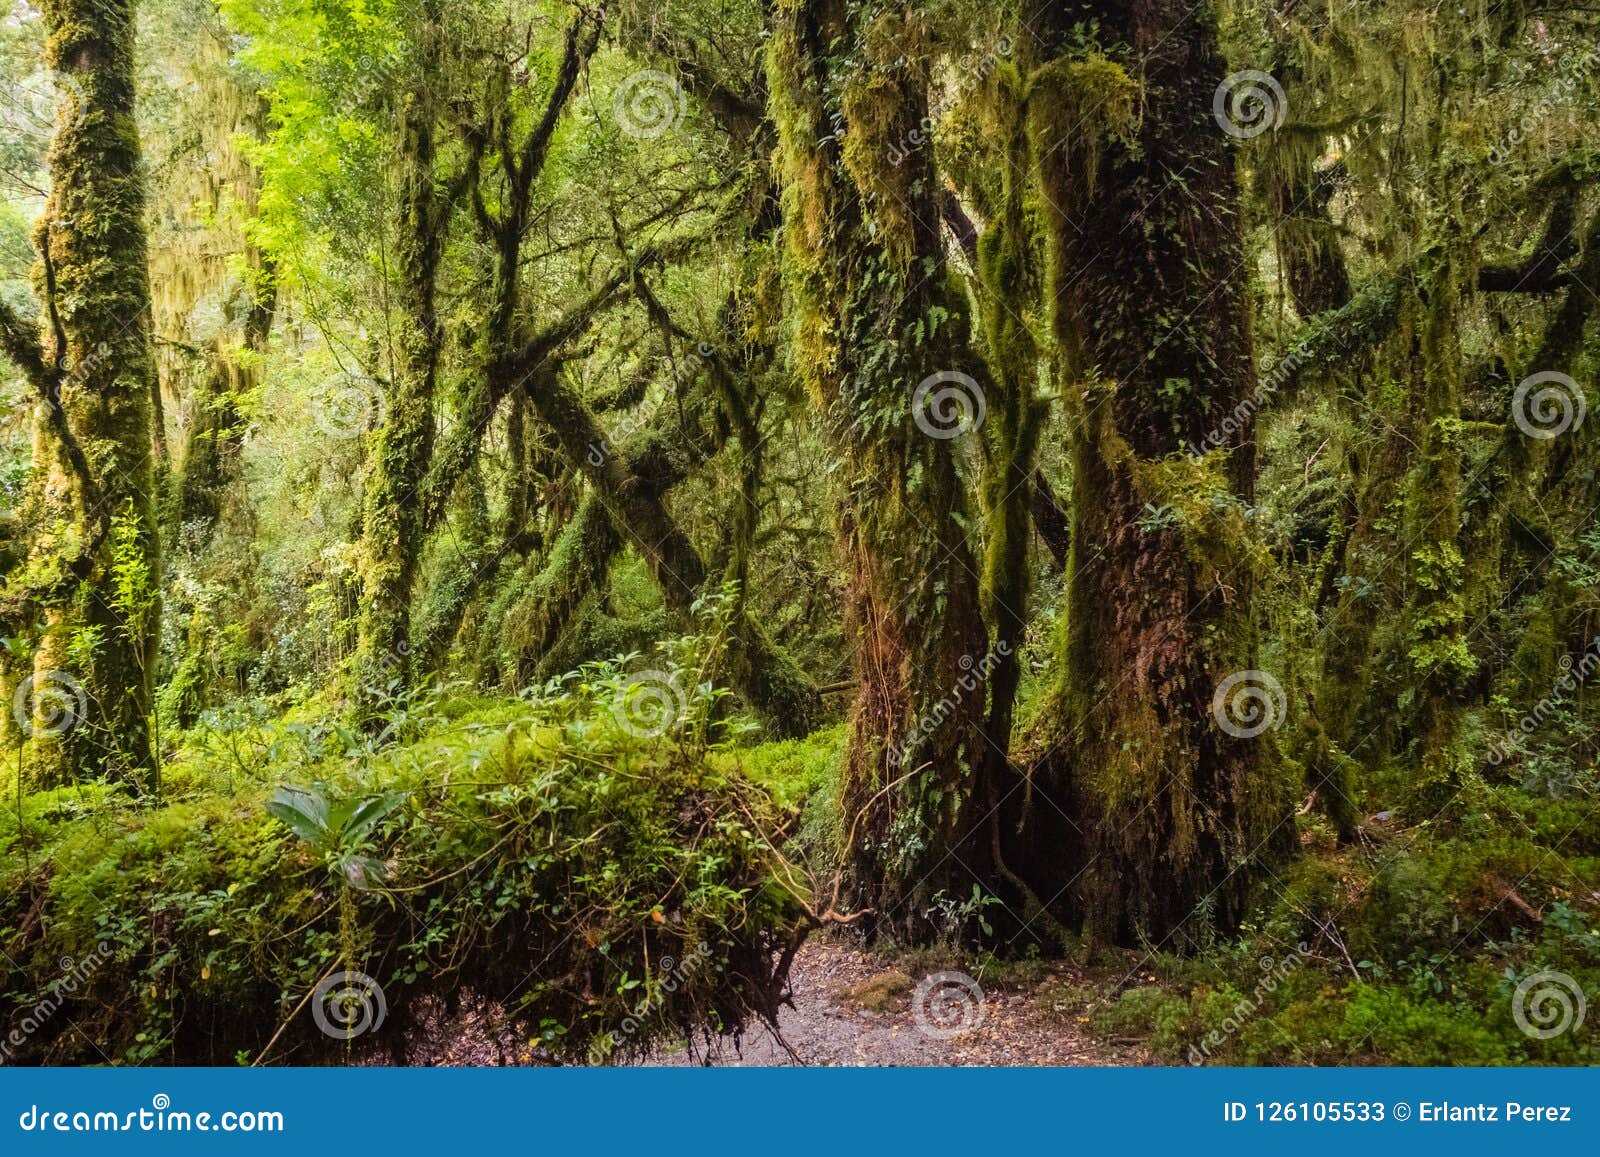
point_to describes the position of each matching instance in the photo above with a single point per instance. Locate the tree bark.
(878, 319)
(392, 518)
(96, 285)
(1170, 814)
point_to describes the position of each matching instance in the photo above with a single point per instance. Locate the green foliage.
(337, 830)
(1412, 959)
(548, 829)
(1277, 394)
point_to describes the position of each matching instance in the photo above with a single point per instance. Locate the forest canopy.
(531, 511)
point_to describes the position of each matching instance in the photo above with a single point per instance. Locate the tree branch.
(20, 343)
(578, 50)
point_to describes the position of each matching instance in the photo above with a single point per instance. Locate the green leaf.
(304, 812)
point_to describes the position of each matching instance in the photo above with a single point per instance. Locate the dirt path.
(855, 1008)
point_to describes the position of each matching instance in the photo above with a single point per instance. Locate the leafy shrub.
(1440, 929)
(1146, 1011)
(804, 774)
(605, 884)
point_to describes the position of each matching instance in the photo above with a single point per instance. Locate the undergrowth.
(1413, 947)
(593, 873)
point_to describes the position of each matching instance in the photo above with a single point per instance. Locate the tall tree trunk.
(392, 517)
(1437, 650)
(96, 284)
(1154, 756)
(211, 456)
(881, 332)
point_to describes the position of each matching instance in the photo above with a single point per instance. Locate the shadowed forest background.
(518, 514)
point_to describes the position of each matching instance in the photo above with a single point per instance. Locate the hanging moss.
(1077, 105)
(392, 527)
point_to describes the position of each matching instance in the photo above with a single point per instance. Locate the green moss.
(876, 316)
(1076, 105)
(94, 270)
(1402, 1030)
(1146, 1011)
(1413, 958)
(881, 993)
(1195, 489)
(509, 846)
(803, 775)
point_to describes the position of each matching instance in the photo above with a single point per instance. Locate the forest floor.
(855, 1007)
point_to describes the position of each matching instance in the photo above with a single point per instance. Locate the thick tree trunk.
(576, 567)
(392, 518)
(96, 285)
(879, 320)
(1171, 803)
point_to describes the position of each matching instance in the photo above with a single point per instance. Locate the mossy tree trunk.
(1435, 304)
(1015, 498)
(211, 456)
(878, 318)
(1169, 812)
(392, 517)
(96, 285)
(1437, 637)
